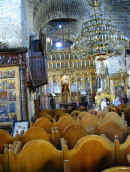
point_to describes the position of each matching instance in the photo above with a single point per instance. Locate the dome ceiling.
(62, 28)
(52, 9)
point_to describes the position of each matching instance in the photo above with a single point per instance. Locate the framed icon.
(11, 84)
(20, 127)
(12, 95)
(4, 112)
(11, 73)
(12, 107)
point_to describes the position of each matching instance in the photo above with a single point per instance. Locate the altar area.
(84, 88)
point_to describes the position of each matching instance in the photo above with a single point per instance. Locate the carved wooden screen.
(38, 62)
(38, 70)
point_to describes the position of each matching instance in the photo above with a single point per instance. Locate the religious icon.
(3, 109)
(4, 85)
(11, 74)
(65, 88)
(12, 108)
(11, 84)
(73, 87)
(4, 95)
(1, 86)
(4, 74)
(118, 91)
(20, 126)
(4, 112)
(1, 74)
(12, 95)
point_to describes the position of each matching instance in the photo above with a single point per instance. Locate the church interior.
(64, 85)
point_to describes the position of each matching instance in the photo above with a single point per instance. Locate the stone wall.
(11, 23)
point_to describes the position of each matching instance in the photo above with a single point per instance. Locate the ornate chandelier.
(100, 36)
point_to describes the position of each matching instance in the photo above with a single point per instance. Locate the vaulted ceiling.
(46, 11)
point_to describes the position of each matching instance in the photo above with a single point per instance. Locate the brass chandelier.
(99, 35)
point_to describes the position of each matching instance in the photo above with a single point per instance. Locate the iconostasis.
(9, 93)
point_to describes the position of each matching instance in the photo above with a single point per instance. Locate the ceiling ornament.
(100, 35)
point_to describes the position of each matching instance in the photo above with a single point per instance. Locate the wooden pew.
(55, 137)
(72, 133)
(82, 115)
(90, 153)
(117, 169)
(45, 113)
(101, 114)
(43, 122)
(36, 156)
(35, 133)
(63, 122)
(58, 113)
(4, 160)
(75, 114)
(5, 138)
(67, 167)
(113, 125)
(90, 123)
(124, 155)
